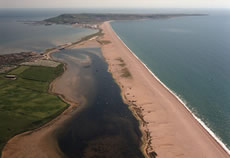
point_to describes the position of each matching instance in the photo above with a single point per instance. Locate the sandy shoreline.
(170, 129)
(198, 119)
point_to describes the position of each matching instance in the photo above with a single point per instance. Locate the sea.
(191, 56)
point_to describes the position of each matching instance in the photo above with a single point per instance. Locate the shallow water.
(16, 36)
(105, 127)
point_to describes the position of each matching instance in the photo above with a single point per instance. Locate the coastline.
(43, 138)
(127, 85)
(20, 145)
(209, 131)
(190, 116)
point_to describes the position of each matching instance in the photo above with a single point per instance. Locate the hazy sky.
(115, 3)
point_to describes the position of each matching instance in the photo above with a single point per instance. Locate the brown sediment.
(169, 129)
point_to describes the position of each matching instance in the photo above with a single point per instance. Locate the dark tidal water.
(104, 127)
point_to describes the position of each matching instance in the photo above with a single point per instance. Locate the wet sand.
(169, 128)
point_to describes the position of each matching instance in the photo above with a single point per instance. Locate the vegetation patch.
(18, 70)
(152, 154)
(122, 64)
(42, 74)
(120, 59)
(125, 73)
(25, 103)
(48, 50)
(104, 42)
(99, 33)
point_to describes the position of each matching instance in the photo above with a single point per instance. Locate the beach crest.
(198, 132)
(179, 99)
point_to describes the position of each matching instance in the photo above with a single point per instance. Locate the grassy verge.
(25, 103)
(104, 42)
(99, 33)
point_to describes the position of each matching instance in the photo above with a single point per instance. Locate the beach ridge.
(210, 132)
(130, 55)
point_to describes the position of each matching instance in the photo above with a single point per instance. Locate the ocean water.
(191, 56)
(16, 36)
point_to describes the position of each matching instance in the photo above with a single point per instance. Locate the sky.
(114, 3)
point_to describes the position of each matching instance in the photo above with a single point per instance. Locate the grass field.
(25, 102)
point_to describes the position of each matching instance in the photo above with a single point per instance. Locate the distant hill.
(100, 18)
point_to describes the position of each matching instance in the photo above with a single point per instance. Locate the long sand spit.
(168, 126)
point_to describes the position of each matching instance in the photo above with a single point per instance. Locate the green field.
(25, 102)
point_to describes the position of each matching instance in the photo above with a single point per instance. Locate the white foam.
(180, 100)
